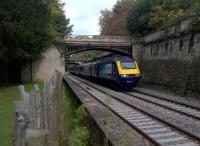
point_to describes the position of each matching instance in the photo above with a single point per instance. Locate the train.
(117, 71)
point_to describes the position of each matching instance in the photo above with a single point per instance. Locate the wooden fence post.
(38, 107)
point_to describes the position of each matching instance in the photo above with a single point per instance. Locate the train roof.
(107, 58)
(114, 57)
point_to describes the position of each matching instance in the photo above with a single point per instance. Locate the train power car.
(117, 70)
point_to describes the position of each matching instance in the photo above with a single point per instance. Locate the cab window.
(128, 65)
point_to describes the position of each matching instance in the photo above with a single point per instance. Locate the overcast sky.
(84, 14)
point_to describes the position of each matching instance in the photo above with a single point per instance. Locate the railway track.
(157, 131)
(168, 98)
(184, 109)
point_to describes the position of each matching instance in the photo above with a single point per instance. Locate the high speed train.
(116, 70)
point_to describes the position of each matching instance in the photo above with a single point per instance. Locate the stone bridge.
(118, 44)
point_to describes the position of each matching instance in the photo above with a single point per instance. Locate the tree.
(113, 22)
(58, 20)
(145, 16)
(105, 21)
(160, 15)
(139, 16)
(27, 28)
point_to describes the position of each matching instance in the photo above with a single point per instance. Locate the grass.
(8, 94)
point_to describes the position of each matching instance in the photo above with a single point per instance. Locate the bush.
(79, 137)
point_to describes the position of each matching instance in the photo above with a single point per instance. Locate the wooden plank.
(47, 95)
(33, 110)
(56, 92)
(21, 91)
(42, 122)
(36, 87)
(25, 98)
(26, 102)
(18, 106)
(20, 131)
(52, 107)
(38, 106)
(19, 123)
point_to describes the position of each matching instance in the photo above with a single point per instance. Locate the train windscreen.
(128, 65)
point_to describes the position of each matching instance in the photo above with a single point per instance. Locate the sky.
(84, 14)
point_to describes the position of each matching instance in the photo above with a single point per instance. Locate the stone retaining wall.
(43, 68)
(172, 58)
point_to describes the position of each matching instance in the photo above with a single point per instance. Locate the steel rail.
(176, 102)
(167, 107)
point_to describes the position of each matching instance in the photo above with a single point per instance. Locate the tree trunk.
(31, 67)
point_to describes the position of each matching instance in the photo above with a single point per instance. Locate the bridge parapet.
(98, 38)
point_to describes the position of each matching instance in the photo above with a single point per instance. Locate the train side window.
(105, 70)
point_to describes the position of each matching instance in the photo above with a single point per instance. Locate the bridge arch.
(117, 44)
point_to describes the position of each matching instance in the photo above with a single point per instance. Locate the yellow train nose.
(131, 68)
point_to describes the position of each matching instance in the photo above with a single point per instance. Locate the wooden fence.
(36, 114)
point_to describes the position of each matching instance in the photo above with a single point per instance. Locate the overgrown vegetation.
(81, 128)
(77, 131)
(139, 17)
(7, 96)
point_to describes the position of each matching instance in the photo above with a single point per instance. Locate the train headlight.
(138, 75)
(124, 76)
